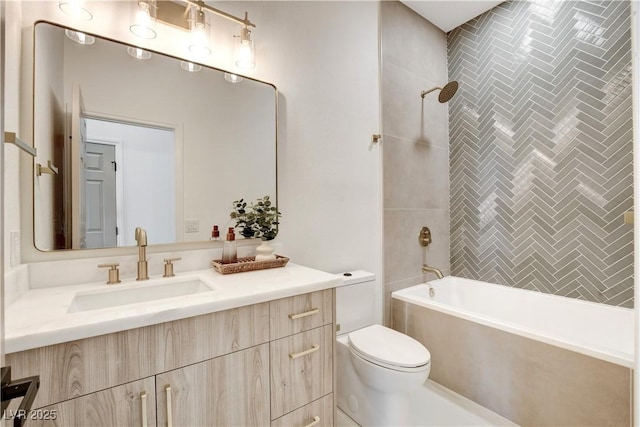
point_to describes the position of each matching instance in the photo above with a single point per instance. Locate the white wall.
(323, 57)
(12, 123)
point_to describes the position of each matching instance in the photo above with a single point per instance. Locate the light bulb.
(144, 20)
(80, 38)
(75, 9)
(232, 78)
(199, 37)
(138, 53)
(244, 52)
(190, 66)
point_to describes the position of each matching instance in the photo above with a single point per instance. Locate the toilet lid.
(385, 346)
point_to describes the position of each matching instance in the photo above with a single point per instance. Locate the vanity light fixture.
(144, 23)
(195, 17)
(190, 66)
(138, 53)
(76, 9)
(199, 32)
(244, 53)
(79, 37)
(232, 78)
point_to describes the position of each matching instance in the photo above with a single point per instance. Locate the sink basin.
(136, 292)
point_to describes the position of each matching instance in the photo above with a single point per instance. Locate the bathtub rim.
(610, 355)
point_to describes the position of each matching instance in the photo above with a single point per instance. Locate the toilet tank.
(356, 301)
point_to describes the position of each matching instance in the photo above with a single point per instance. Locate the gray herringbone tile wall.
(541, 148)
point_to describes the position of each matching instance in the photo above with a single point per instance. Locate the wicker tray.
(248, 264)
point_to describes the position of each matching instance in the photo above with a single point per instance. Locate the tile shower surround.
(415, 147)
(541, 162)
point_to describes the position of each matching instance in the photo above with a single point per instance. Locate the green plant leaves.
(259, 220)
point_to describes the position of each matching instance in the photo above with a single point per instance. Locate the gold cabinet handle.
(169, 415)
(316, 420)
(313, 349)
(143, 398)
(305, 314)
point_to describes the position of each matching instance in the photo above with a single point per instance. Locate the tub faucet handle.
(424, 237)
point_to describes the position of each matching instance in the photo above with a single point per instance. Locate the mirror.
(157, 143)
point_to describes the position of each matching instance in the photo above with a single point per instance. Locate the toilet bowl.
(378, 368)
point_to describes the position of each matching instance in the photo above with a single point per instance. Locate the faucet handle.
(114, 273)
(168, 266)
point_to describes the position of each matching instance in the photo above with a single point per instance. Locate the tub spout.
(437, 272)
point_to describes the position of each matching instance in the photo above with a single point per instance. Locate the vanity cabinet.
(255, 365)
(302, 353)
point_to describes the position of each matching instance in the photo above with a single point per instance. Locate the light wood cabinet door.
(231, 390)
(301, 369)
(129, 405)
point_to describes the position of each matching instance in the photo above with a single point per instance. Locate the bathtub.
(535, 358)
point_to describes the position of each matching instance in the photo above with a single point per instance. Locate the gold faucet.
(141, 238)
(427, 269)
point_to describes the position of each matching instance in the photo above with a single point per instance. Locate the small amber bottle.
(215, 233)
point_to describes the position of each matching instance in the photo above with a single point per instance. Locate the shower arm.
(425, 92)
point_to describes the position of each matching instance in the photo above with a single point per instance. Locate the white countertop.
(40, 317)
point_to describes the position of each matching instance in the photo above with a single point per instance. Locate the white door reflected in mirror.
(144, 170)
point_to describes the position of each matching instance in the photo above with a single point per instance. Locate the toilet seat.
(388, 348)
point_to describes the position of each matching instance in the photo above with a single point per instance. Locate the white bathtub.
(597, 330)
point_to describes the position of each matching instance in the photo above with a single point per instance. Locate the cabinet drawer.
(300, 313)
(317, 413)
(301, 369)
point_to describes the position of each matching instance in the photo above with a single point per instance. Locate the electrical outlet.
(14, 241)
(192, 226)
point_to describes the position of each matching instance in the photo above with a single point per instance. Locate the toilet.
(377, 368)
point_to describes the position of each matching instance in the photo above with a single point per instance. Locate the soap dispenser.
(229, 249)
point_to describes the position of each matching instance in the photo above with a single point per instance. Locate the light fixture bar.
(222, 14)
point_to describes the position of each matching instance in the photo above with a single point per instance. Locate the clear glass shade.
(138, 53)
(232, 78)
(79, 37)
(76, 9)
(144, 19)
(244, 52)
(200, 30)
(190, 66)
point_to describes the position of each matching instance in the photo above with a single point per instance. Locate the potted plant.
(261, 220)
(244, 217)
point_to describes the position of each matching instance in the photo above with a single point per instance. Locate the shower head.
(446, 92)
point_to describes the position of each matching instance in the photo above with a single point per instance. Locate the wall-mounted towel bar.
(11, 138)
(50, 169)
